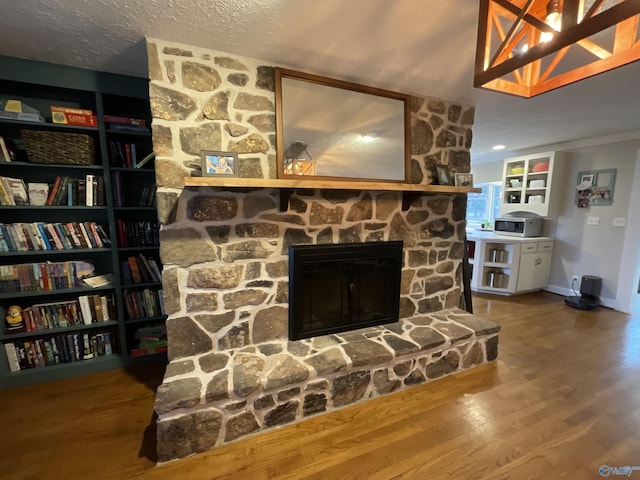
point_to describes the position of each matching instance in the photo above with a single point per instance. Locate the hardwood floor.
(562, 400)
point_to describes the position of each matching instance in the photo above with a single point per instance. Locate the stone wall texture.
(224, 251)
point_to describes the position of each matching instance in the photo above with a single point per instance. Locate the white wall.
(487, 172)
(582, 249)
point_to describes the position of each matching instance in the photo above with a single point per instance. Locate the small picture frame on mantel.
(442, 175)
(219, 164)
(464, 180)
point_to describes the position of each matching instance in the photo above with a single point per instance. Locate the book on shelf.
(16, 190)
(38, 193)
(96, 308)
(125, 124)
(119, 120)
(135, 270)
(85, 308)
(89, 201)
(142, 352)
(7, 153)
(125, 273)
(96, 281)
(5, 198)
(53, 190)
(12, 357)
(4, 241)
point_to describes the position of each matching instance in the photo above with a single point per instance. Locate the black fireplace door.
(340, 287)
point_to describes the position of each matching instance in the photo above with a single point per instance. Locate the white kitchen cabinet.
(535, 265)
(528, 184)
(518, 265)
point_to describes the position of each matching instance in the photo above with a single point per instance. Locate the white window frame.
(492, 192)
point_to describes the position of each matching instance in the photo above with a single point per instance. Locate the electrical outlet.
(575, 282)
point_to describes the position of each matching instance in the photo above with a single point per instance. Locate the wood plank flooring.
(562, 400)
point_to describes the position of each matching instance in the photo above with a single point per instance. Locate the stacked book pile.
(151, 340)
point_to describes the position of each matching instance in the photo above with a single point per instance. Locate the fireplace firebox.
(340, 287)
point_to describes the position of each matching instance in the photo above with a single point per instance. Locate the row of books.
(25, 237)
(145, 233)
(84, 310)
(140, 269)
(44, 276)
(151, 340)
(143, 303)
(71, 191)
(123, 196)
(66, 348)
(127, 155)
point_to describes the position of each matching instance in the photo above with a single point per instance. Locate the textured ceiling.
(424, 47)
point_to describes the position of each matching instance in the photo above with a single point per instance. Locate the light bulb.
(553, 19)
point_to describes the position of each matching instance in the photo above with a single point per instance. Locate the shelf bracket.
(408, 198)
(285, 195)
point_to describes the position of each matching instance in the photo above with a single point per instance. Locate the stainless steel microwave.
(519, 226)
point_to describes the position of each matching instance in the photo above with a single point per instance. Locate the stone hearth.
(274, 383)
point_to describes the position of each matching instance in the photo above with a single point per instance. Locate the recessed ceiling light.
(498, 147)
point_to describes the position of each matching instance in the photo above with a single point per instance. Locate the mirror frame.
(281, 73)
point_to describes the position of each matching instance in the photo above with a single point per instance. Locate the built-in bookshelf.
(80, 273)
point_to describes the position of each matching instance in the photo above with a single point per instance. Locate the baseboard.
(567, 292)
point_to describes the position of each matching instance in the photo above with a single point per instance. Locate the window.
(484, 205)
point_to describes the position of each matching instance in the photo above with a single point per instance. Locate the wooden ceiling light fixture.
(529, 47)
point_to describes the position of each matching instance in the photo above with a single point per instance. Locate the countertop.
(497, 237)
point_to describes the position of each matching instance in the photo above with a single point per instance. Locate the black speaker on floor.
(589, 299)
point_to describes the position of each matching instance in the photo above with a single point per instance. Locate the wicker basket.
(60, 148)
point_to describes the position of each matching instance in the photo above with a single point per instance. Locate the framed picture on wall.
(219, 164)
(595, 187)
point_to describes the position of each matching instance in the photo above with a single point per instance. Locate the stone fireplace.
(233, 370)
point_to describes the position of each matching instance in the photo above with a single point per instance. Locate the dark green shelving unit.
(40, 85)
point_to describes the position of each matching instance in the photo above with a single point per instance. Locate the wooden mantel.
(286, 186)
